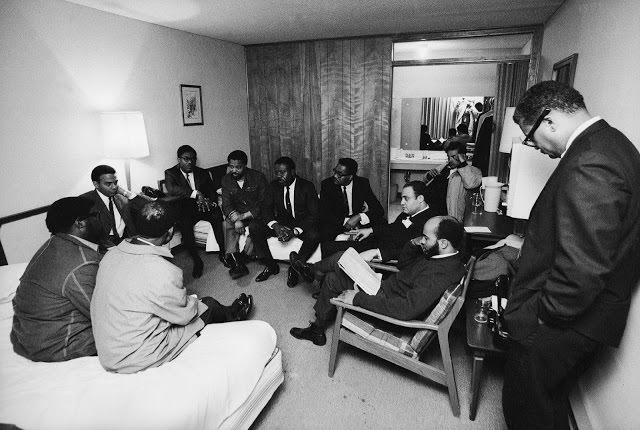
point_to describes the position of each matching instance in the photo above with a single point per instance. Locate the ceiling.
(268, 21)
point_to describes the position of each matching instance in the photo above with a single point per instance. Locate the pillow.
(9, 280)
(422, 338)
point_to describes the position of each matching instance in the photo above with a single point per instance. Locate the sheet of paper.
(477, 229)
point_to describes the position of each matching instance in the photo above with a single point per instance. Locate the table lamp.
(124, 137)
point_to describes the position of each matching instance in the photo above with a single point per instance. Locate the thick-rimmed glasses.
(529, 141)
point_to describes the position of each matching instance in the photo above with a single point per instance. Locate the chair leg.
(335, 339)
(443, 338)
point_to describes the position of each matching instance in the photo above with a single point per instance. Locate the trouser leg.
(231, 238)
(259, 233)
(310, 240)
(333, 285)
(538, 375)
(217, 313)
(214, 217)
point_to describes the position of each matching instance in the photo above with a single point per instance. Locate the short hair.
(287, 161)
(238, 155)
(184, 149)
(100, 170)
(64, 212)
(454, 144)
(463, 128)
(479, 106)
(419, 188)
(547, 95)
(453, 132)
(155, 219)
(451, 229)
(350, 164)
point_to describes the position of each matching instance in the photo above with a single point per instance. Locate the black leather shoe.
(244, 304)
(292, 278)
(312, 333)
(269, 270)
(238, 269)
(198, 265)
(223, 259)
(303, 269)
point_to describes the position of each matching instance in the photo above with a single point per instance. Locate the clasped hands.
(205, 204)
(283, 232)
(237, 219)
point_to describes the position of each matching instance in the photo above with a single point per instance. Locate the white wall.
(61, 64)
(605, 34)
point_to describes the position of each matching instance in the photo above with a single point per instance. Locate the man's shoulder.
(173, 170)
(67, 247)
(91, 195)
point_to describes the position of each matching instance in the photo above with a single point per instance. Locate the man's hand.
(352, 222)
(239, 227)
(363, 233)
(205, 204)
(347, 296)
(283, 232)
(370, 254)
(416, 241)
(431, 174)
(365, 207)
(234, 216)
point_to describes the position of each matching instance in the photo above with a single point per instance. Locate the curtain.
(512, 84)
(438, 114)
(319, 101)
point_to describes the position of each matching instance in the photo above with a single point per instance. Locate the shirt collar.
(85, 242)
(104, 198)
(127, 247)
(444, 255)
(421, 210)
(582, 127)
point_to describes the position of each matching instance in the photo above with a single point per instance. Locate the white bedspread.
(197, 390)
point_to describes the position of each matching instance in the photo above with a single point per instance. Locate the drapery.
(438, 114)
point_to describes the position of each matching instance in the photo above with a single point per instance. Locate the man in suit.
(428, 265)
(346, 202)
(579, 261)
(112, 206)
(408, 225)
(196, 198)
(243, 193)
(291, 210)
(51, 319)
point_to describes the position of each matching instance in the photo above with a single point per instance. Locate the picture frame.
(191, 98)
(565, 70)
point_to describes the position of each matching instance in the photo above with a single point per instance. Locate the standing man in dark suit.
(346, 202)
(291, 211)
(112, 206)
(196, 198)
(579, 262)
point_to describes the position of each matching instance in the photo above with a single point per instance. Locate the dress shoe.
(303, 269)
(313, 333)
(272, 269)
(223, 259)
(243, 305)
(238, 269)
(292, 278)
(198, 265)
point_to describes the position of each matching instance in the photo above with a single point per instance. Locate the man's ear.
(443, 243)
(96, 184)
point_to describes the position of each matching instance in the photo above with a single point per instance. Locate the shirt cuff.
(364, 219)
(271, 224)
(298, 231)
(194, 194)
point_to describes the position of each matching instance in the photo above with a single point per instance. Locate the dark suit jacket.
(177, 185)
(249, 198)
(581, 255)
(331, 207)
(305, 208)
(126, 209)
(395, 235)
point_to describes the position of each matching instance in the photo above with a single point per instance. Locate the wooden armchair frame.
(444, 376)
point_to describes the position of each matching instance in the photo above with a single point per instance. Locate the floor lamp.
(124, 137)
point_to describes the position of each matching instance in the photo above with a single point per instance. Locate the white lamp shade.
(124, 135)
(511, 132)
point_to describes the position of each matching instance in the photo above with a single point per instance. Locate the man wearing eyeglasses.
(346, 202)
(579, 261)
(196, 197)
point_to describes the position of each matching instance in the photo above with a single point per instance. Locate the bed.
(218, 382)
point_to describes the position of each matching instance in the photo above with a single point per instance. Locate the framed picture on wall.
(191, 96)
(565, 70)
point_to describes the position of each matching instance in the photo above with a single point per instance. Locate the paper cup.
(492, 193)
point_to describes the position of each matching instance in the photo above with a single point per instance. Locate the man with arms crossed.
(428, 266)
(579, 261)
(51, 319)
(141, 313)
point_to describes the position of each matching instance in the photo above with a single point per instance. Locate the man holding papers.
(428, 265)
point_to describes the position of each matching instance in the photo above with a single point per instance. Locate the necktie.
(188, 181)
(345, 200)
(287, 198)
(113, 216)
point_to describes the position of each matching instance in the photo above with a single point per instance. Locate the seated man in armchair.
(142, 316)
(428, 266)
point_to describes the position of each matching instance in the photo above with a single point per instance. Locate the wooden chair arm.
(421, 325)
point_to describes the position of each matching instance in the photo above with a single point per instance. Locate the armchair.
(405, 350)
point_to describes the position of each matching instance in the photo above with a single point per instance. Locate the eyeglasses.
(529, 141)
(188, 159)
(340, 175)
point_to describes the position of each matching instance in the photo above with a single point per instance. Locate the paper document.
(476, 229)
(357, 269)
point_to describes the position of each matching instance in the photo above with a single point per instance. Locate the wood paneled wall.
(321, 100)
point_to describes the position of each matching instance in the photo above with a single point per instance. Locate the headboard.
(17, 217)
